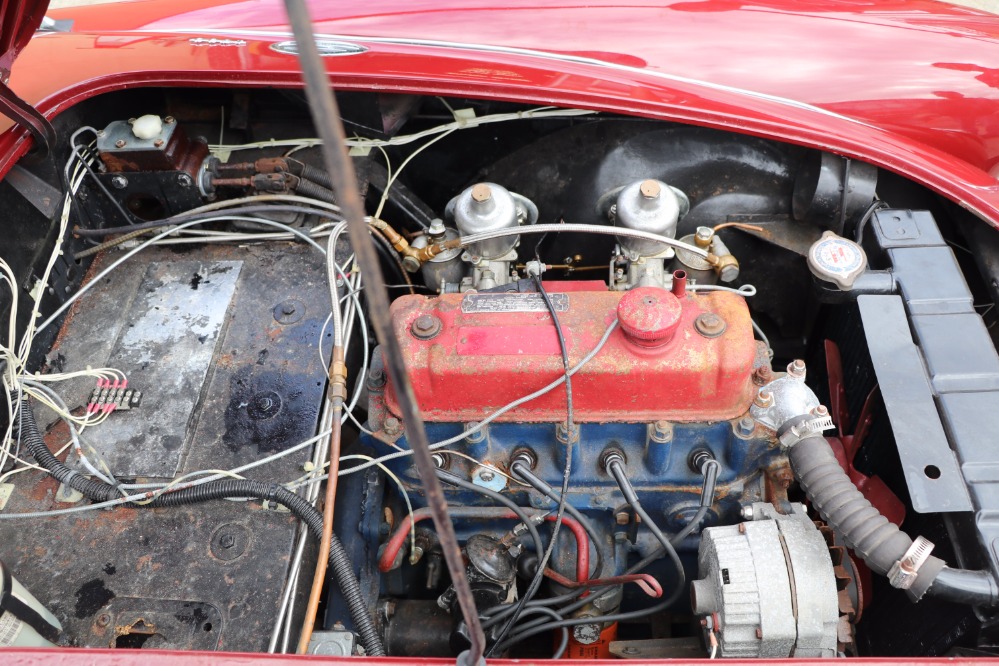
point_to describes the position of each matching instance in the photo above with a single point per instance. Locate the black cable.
(539, 575)
(339, 560)
(873, 208)
(107, 193)
(532, 529)
(710, 472)
(524, 473)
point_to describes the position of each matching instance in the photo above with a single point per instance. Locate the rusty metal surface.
(485, 357)
(166, 341)
(135, 564)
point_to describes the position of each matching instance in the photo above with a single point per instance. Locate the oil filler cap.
(649, 316)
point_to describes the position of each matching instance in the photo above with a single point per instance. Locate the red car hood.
(912, 86)
(19, 19)
(926, 69)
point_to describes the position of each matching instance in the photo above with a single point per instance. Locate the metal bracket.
(29, 117)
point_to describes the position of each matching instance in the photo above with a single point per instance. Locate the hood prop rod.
(326, 116)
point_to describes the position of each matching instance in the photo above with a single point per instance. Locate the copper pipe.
(337, 394)
(329, 126)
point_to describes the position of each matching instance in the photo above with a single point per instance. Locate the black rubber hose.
(872, 536)
(339, 561)
(532, 529)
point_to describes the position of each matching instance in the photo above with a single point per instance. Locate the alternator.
(767, 588)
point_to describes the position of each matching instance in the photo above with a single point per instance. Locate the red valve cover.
(473, 353)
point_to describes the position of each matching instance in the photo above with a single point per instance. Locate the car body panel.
(926, 111)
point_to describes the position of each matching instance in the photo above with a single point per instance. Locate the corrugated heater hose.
(879, 542)
(98, 491)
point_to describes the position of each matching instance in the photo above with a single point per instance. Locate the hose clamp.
(797, 430)
(905, 571)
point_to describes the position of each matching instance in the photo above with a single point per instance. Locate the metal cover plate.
(479, 303)
(930, 466)
(167, 348)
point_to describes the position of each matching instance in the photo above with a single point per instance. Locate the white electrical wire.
(457, 124)
(491, 417)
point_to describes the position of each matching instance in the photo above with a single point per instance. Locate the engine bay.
(689, 393)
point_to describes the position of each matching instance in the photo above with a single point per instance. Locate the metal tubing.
(326, 116)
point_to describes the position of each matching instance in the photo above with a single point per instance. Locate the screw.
(796, 368)
(426, 327)
(486, 476)
(747, 425)
(120, 143)
(103, 620)
(710, 325)
(762, 375)
(169, 120)
(392, 427)
(622, 518)
(119, 182)
(227, 541)
(184, 180)
(764, 399)
(158, 143)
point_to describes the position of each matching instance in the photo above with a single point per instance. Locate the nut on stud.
(764, 399)
(796, 368)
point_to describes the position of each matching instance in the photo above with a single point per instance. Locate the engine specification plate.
(512, 303)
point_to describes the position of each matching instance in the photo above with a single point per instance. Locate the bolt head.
(103, 620)
(747, 425)
(650, 189)
(747, 512)
(487, 476)
(158, 143)
(796, 368)
(119, 182)
(426, 326)
(120, 143)
(710, 325)
(481, 192)
(392, 426)
(622, 518)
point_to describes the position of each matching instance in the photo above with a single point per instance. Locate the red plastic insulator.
(649, 316)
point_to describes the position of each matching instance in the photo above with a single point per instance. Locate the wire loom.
(27, 430)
